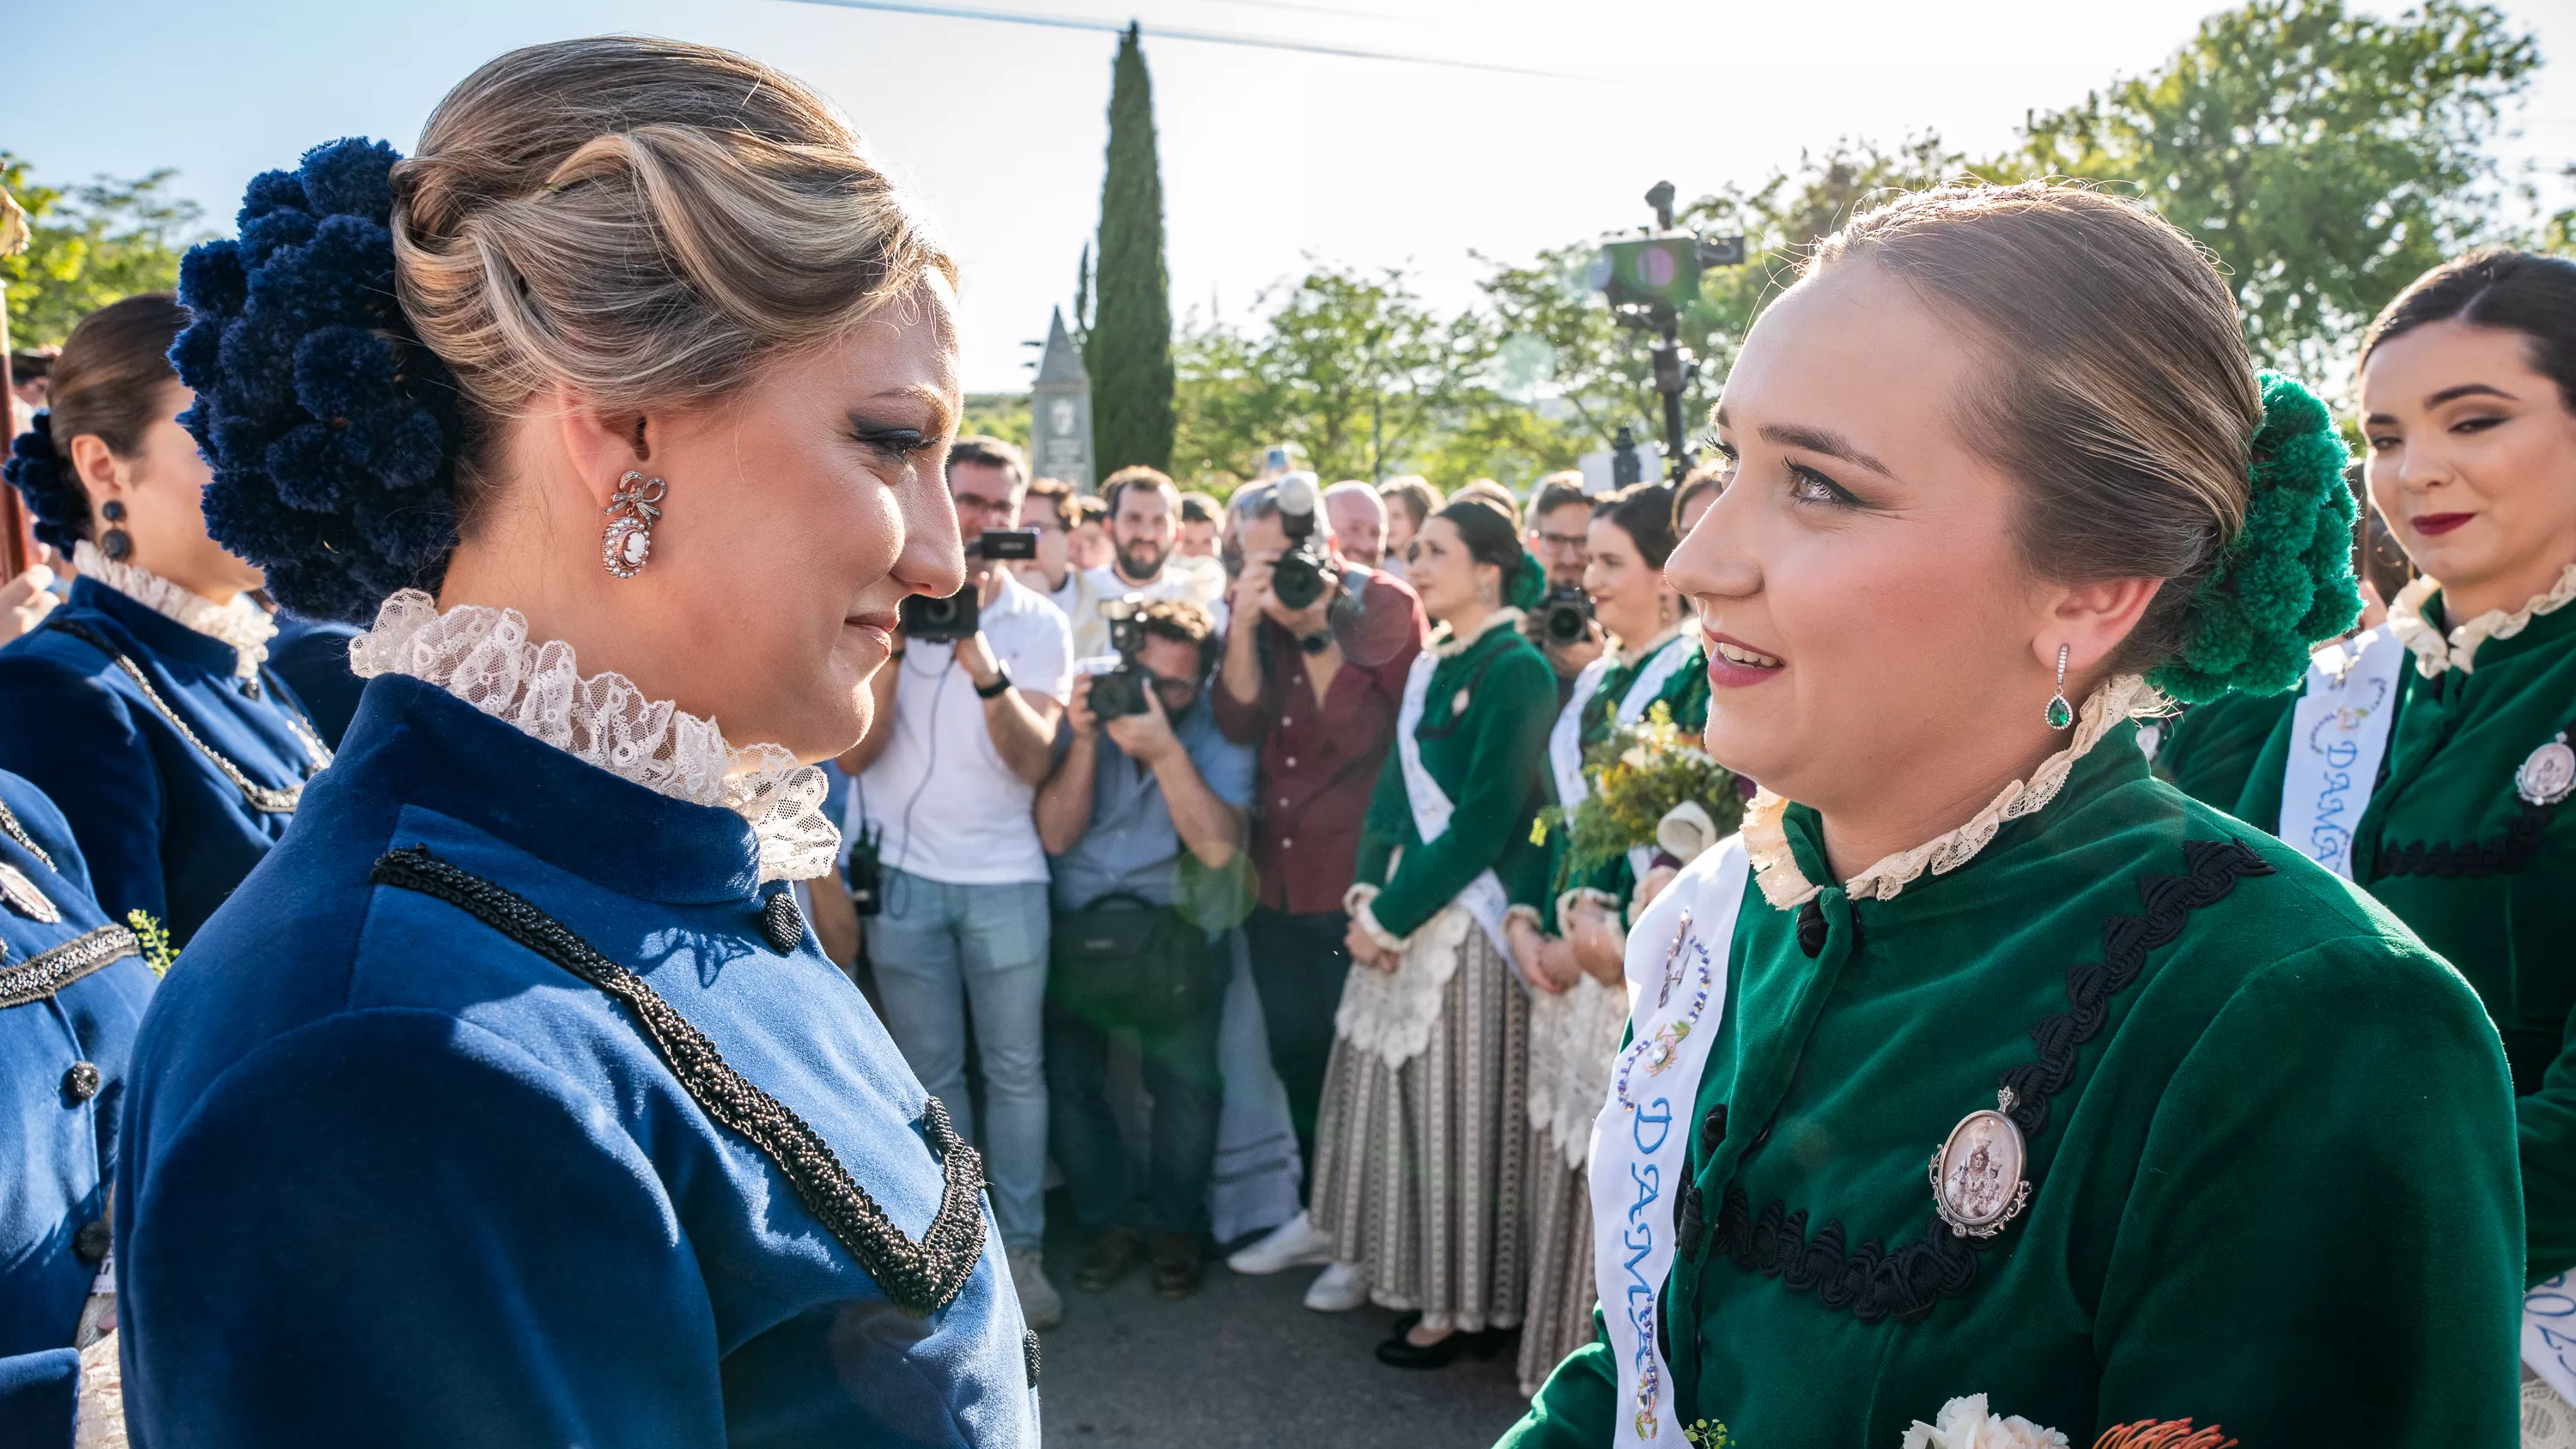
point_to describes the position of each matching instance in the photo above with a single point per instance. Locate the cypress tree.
(1129, 345)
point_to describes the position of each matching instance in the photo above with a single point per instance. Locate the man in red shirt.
(1316, 690)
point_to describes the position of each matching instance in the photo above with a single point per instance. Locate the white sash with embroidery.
(2338, 734)
(1484, 898)
(1565, 742)
(1641, 1141)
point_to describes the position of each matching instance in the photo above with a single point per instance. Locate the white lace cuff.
(1566, 902)
(484, 657)
(1518, 912)
(1357, 902)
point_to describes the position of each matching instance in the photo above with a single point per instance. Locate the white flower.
(1965, 1424)
(1635, 757)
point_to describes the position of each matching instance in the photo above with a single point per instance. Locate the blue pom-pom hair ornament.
(329, 427)
(57, 504)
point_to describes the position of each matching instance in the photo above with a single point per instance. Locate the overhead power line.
(1169, 32)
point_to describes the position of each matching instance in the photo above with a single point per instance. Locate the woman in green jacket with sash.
(1568, 938)
(1987, 1083)
(1420, 1138)
(2429, 760)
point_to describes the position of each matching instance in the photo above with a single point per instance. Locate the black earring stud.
(116, 543)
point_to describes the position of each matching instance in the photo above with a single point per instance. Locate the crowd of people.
(2133, 1007)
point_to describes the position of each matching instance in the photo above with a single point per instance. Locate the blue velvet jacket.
(313, 657)
(164, 830)
(67, 1023)
(396, 1174)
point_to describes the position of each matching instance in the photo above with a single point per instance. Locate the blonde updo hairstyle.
(647, 222)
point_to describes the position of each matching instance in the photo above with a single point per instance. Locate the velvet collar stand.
(242, 625)
(2435, 651)
(413, 744)
(152, 632)
(1786, 841)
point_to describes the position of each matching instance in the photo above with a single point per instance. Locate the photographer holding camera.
(1562, 626)
(1145, 519)
(1313, 677)
(966, 715)
(1146, 777)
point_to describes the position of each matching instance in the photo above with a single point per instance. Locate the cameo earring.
(2060, 713)
(629, 540)
(116, 543)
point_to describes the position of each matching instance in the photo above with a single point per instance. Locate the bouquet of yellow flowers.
(1639, 775)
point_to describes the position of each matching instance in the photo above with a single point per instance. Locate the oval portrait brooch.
(1977, 1175)
(2547, 774)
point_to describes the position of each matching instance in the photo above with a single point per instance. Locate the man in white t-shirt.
(1145, 528)
(944, 794)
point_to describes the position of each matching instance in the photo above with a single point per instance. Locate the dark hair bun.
(327, 423)
(44, 477)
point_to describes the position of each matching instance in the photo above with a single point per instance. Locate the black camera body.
(1121, 692)
(1565, 615)
(945, 621)
(1305, 572)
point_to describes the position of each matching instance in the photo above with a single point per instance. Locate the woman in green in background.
(2434, 769)
(1420, 1136)
(1988, 1077)
(1569, 939)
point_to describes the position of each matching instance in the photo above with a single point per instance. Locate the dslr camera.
(1305, 572)
(1565, 615)
(945, 621)
(1121, 691)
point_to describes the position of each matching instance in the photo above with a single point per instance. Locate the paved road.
(1245, 1364)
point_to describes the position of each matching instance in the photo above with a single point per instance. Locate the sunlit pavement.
(1244, 1363)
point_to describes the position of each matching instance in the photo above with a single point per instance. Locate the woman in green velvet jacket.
(1420, 1138)
(1567, 936)
(2469, 410)
(1987, 1083)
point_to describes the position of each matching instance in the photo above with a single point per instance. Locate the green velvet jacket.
(1685, 695)
(2210, 750)
(2485, 878)
(1483, 736)
(2268, 1135)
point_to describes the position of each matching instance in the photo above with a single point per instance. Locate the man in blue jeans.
(966, 730)
(1134, 793)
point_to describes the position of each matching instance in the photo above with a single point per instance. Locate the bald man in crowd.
(1357, 517)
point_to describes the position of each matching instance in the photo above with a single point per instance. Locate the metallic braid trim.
(921, 1278)
(10, 827)
(262, 798)
(56, 967)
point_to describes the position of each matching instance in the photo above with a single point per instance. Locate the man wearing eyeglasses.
(1133, 794)
(1560, 523)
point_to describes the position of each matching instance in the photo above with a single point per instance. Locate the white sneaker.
(1040, 1305)
(1339, 1288)
(1296, 1243)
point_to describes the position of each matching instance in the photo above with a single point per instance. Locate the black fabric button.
(1712, 1129)
(1811, 929)
(780, 922)
(250, 686)
(1693, 1229)
(90, 1243)
(80, 1083)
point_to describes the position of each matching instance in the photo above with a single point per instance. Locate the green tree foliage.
(2326, 157)
(1354, 369)
(1128, 343)
(88, 246)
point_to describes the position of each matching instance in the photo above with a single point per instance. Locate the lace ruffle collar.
(242, 623)
(1631, 658)
(483, 656)
(1784, 885)
(1442, 644)
(2433, 653)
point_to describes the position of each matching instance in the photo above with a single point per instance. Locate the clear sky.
(1268, 158)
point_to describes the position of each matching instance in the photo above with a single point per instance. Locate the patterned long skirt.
(1419, 1169)
(1563, 1287)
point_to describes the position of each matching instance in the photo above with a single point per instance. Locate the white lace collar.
(1442, 644)
(2433, 653)
(242, 623)
(483, 657)
(1785, 886)
(1631, 658)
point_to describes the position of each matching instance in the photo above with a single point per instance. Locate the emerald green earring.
(2060, 713)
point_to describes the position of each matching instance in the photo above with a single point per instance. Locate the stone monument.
(1060, 412)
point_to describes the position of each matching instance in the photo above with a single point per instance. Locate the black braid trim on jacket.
(1905, 1283)
(920, 1278)
(2506, 855)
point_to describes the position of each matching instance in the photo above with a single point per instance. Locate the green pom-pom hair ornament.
(2284, 583)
